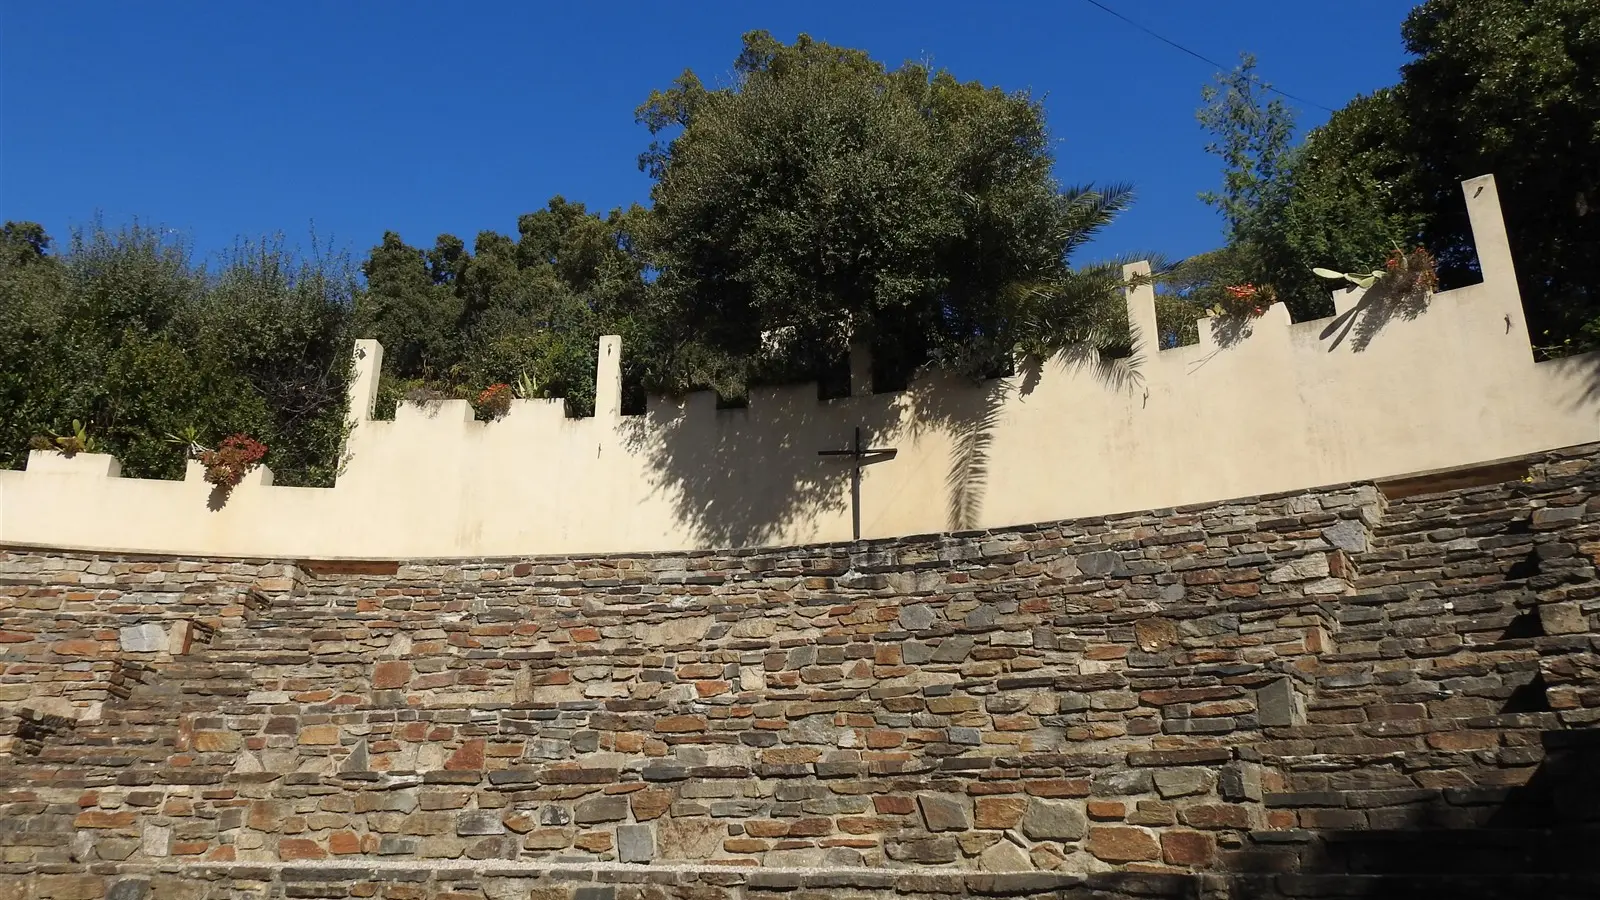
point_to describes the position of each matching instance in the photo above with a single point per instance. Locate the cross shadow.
(751, 476)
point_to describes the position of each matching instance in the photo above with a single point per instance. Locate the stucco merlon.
(608, 379)
(1140, 295)
(367, 366)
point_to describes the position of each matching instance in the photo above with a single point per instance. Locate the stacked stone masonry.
(1332, 690)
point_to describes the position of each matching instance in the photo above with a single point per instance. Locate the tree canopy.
(122, 333)
(822, 199)
(1502, 87)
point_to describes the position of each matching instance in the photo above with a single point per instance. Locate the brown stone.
(999, 812)
(468, 757)
(650, 804)
(1155, 634)
(548, 839)
(1187, 848)
(65, 887)
(299, 848)
(391, 674)
(594, 841)
(99, 818)
(343, 843)
(1058, 787)
(1463, 740)
(815, 826)
(1215, 815)
(1103, 810)
(676, 724)
(894, 804)
(319, 735)
(76, 647)
(216, 741)
(268, 815)
(1121, 843)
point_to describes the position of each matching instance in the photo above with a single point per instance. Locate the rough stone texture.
(1053, 820)
(1153, 693)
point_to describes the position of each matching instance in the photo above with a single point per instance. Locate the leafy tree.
(1506, 87)
(822, 199)
(1512, 87)
(454, 321)
(122, 332)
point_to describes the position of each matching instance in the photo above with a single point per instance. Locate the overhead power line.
(1203, 58)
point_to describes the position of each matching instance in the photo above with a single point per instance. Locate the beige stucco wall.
(1373, 392)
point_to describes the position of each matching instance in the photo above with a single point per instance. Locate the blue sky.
(233, 119)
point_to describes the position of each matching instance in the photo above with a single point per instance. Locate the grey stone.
(156, 840)
(389, 845)
(941, 849)
(1303, 569)
(1101, 563)
(953, 649)
(147, 638)
(1563, 618)
(555, 815)
(1121, 784)
(115, 849)
(1278, 705)
(917, 617)
(915, 652)
(1182, 782)
(129, 889)
(602, 809)
(1054, 820)
(635, 843)
(1004, 856)
(478, 822)
(1240, 781)
(944, 812)
(970, 737)
(1348, 535)
(982, 617)
(357, 761)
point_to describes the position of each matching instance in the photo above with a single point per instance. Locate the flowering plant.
(1245, 300)
(1415, 274)
(227, 465)
(495, 401)
(1411, 274)
(69, 445)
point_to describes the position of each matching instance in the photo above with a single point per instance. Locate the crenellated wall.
(1381, 389)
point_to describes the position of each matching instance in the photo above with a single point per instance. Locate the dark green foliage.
(823, 199)
(122, 332)
(1503, 87)
(1512, 87)
(457, 321)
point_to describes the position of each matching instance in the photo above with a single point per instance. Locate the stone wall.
(1260, 698)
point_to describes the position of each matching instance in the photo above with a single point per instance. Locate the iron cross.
(860, 456)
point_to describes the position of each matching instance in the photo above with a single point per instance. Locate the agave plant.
(1360, 280)
(68, 445)
(189, 437)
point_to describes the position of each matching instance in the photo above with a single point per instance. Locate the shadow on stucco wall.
(725, 468)
(1376, 308)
